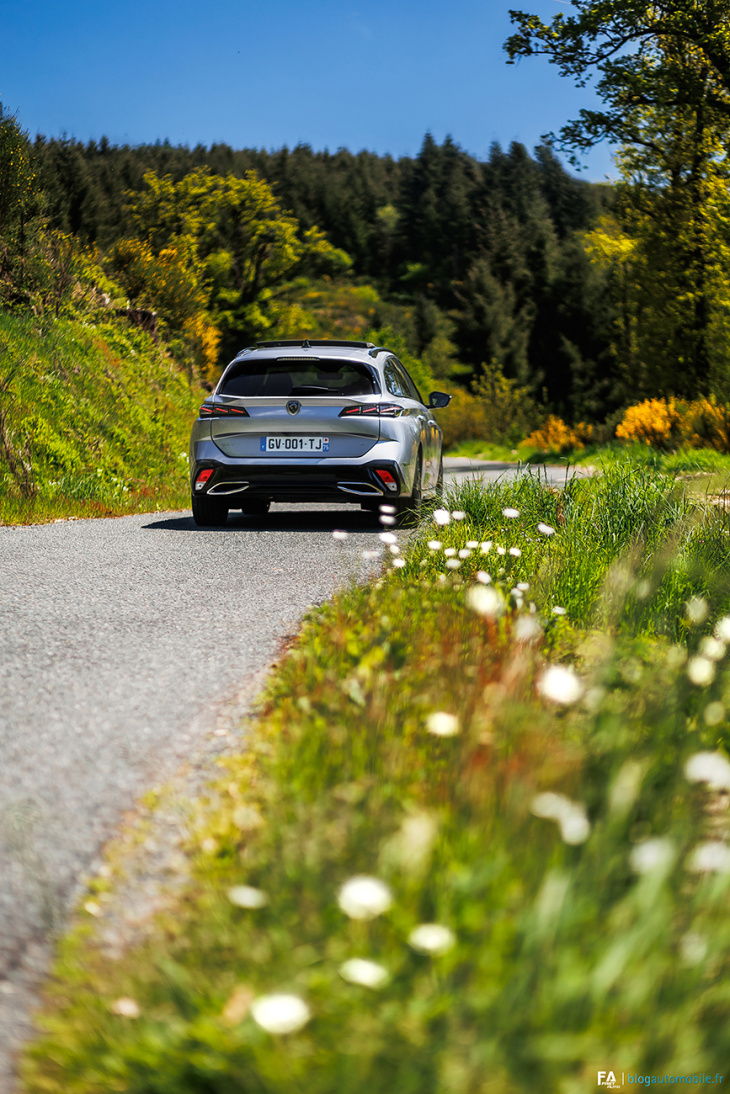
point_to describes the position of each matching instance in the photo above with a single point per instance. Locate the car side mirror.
(437, 400)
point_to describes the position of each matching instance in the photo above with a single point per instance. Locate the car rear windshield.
(299, 377)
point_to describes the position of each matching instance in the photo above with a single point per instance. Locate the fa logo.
(607, 1078)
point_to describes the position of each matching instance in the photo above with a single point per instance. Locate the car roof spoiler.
(307, 343)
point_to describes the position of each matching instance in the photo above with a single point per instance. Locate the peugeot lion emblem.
(293, 406)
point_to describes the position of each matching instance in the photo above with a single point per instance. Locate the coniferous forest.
(466, 263)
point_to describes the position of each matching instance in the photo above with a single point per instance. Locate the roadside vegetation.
(476, 839)
(94, 421)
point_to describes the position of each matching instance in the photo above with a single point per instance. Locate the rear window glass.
(285, 378)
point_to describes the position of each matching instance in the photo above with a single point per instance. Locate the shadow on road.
(280, 520)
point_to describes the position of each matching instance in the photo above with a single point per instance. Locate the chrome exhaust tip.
(228, 488)
(362, 489)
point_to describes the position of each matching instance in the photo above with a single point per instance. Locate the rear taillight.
(387, 479)
(222, 410)
(203, 477)
(379, 410)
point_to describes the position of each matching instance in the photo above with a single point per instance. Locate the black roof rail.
(379, 349)
(307, 343)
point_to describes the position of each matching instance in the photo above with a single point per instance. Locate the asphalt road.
(119, 640)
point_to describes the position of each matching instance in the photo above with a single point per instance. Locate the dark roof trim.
(307, 343)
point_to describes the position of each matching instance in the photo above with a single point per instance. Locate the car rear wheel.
(409, 509)
(209, 512)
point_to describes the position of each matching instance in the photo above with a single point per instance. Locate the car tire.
(209, 512)
(256, 508)
(409, 509)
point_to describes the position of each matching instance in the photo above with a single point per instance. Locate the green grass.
(683, 461)
(569, 956)
(96, 421)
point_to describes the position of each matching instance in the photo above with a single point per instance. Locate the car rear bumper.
(298, 482)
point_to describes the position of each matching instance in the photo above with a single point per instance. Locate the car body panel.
(316, 417)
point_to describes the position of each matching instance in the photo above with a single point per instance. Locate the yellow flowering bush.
(669, 423)
(707, 425)
(655, 422)
(555, 435)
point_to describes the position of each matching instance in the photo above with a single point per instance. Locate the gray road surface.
(118, 639)
(459, 468)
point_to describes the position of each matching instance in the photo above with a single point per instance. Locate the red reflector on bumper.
(387, 479)
(203, 477)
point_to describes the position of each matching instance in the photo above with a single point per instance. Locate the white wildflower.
(510, 513)
(464, 553)
(364, 897)
(676, 657)
(515, 552)
(390, 510)
(435, 545)
(651, 855)
(339, 534)
(453, 564)
(501, 551)
(712, 648)
(712, 857)
(484, 577)
(245, 896)
(485, 600)
(394, 548)
(560, 684)
(642, 590)
(569, 815)
(546, 529)
(442, 516)
(280, 1013)
(714, 713)
(574, 827)
(693, 948)
(708, 767)
(458, 514)
(486, 546)
(442, 724)
(432, 938)
(472, 544)
(722, 629)
(697, 610)
(557, 610)
(450, 552)
(125, 1007)
(527, 629)
(411, 846)
(366, 973)
(399, 563)
(390, 521)
(701, 671)
(523, 586)
(370, 556)
(387, 537)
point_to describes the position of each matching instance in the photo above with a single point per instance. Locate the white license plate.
(295, 444)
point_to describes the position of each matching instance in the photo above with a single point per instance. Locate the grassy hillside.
(93, 421)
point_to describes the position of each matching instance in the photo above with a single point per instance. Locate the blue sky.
(373, 74)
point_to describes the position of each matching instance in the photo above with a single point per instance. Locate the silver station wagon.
(314, 421)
